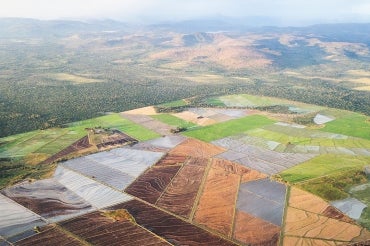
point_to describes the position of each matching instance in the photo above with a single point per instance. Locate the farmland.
(249, 176)
(228, 128)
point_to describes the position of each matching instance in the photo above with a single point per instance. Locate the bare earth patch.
(195, 118)
(150, 110)
(196, 148)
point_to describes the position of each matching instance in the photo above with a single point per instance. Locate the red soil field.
(301, 223)
(196, 148)
(150, 185)
(80, 144)
(98, 229)
(255, 231)
(311, 203)
(50, 235)
(180, 195)
(169, 160)
(232, 167)
(172, 229)
(307, 241)
(217, 203)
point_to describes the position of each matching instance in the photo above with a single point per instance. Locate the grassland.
(354, 124)
(322, 165)
(232, 127)
(173, 121)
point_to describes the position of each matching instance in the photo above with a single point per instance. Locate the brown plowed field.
(305, 224)
(100, 230)
(150, 185)
(169, 160)
(196, 148)
(80, 144)
(232, 167)
(311, 203)
(172, 229)
(217, 203)
(50, 235)
(255, 231)
(180, 195)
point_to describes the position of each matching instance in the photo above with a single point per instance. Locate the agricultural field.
(24, 155)
(250, 177)
(173, 121)
(348, 123)
(232, 127)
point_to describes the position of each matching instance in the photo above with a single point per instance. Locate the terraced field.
(249, 178)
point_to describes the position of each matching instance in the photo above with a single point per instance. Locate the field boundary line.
(235, 207)
(186, 221)
(174, 176)
(282, 229)
(200, 190)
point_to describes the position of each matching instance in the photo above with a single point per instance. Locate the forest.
(51, 76)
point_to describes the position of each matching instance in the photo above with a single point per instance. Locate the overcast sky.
(288, 11)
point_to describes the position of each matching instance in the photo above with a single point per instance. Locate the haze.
(280, 12)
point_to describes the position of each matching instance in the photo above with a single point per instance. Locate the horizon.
(278, 13)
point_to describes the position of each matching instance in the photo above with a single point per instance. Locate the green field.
(53, 140)
(22, 144)
(362, 194)
(173, 121)
(21, 154)
(322, 165)
(250, 100)
(177, 103)
(335, 186)
(301, 139)
(356, 125)
(215, 101)
(115, 121)
(228, 128)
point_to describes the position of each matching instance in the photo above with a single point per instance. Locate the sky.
(288, 12)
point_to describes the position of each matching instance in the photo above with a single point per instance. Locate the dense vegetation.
(57, 72)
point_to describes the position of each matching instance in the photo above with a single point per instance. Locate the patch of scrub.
(322, 119)
(350, 206)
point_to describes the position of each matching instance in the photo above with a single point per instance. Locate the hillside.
(56, 72)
